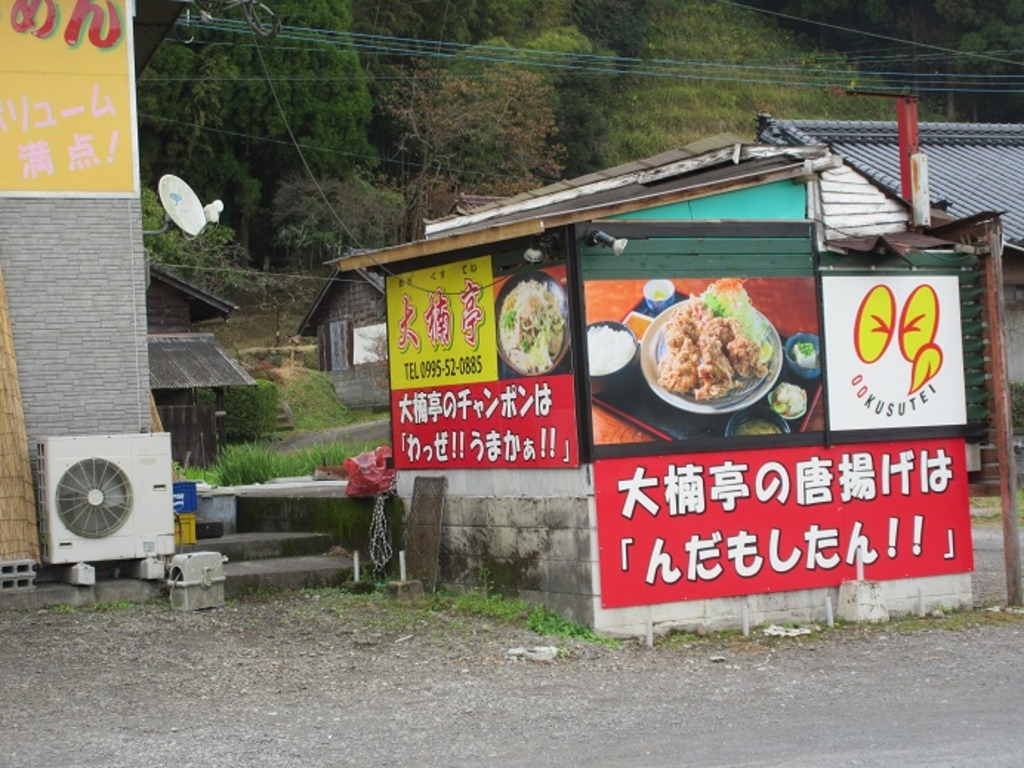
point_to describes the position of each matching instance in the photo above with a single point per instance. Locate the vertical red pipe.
(906, 123)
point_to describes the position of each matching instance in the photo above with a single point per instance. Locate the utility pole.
(914, 189)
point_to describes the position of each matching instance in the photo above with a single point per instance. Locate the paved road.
(372, 433)
(322, 680)
(989, 584)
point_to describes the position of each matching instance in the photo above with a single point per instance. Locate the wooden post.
(995, 304)
(220, 423)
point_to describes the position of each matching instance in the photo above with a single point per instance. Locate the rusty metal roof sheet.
(194, 360)
(899, 243)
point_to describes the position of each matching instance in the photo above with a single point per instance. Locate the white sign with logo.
(893, 352)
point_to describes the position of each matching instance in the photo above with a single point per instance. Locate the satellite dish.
(182, 205)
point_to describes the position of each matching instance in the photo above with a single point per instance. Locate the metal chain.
(380, 544)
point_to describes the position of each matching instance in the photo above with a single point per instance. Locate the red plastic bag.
(370, 473)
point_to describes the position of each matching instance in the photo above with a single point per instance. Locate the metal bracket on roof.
(261, 19)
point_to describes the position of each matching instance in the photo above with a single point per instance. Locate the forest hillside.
(345, 124)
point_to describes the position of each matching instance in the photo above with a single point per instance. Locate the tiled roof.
(191, 361)
(972, 167)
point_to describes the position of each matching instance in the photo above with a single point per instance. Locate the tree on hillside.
(585, 102)
(489, 133)
(221, 112)
(947, 44)
(316, 221)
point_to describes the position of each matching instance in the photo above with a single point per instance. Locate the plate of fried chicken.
(709, 356)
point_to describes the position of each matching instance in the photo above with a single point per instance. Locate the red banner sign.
(696, 526)
(526, 423)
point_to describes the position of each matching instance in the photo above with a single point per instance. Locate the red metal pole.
(906, 123)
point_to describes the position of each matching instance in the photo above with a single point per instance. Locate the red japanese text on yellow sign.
(67, 111)
(441, 325)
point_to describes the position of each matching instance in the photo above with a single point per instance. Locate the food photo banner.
(895, 354)
(697, 526)
(481, 373)
(689, 359)
(67, 98)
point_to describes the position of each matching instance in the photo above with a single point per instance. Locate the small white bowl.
(788, 416)
(659, 294)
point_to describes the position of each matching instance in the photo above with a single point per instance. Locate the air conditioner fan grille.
(94, 498)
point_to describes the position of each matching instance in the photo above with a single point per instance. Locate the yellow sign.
(67, 98)
(441, 325)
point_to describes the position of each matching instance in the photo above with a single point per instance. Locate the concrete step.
(243, 577)
(262, 546)
(282, 573)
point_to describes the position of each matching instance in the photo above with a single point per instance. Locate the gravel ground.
(325, 679)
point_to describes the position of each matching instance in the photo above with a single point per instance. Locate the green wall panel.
(779, 200)
(703, 257)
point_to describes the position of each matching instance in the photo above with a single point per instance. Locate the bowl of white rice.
(612, 350)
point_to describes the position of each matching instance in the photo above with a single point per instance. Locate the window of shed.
(370, 344)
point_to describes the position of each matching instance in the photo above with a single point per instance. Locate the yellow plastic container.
(185, 528)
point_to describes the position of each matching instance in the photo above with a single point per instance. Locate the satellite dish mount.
(182, 206)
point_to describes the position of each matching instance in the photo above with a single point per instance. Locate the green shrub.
(248, 464)
(251, 463)
(251, 412)
(1017, 404)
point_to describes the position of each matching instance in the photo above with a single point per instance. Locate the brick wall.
(74, 272)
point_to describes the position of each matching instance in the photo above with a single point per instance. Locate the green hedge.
(1017, 404)
(251, 412)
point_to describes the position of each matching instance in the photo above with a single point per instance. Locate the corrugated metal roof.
(667, 178)
(972, 167)
(191, 361)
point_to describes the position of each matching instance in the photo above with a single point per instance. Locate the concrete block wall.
(901, 597)
(535, 534)
(74, 270)
(529, 533)
(361, 386)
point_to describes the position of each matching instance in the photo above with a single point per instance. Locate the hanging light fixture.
(533, 255)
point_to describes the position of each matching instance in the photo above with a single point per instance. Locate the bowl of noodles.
(533, 324)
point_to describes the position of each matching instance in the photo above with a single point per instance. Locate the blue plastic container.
(185, 497)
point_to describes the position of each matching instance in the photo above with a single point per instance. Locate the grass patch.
(120, 605)
(517, 612)
(987, 511)
(959, 620)
(402, 615)
(312, 399)
(251, 463)
(544, 621)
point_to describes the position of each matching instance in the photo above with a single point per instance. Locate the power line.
(875, 35)
(785, 76)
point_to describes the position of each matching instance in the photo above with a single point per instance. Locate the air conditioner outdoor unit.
(105, 497)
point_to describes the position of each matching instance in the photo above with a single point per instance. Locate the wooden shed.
(183, 362)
